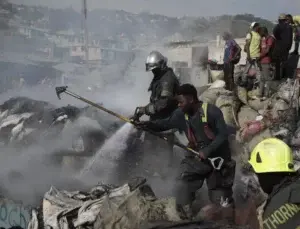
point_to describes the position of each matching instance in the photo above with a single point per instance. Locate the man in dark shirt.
(294, 21)
(206, 131)
(232, 54)
(267, 46)
(283, 33)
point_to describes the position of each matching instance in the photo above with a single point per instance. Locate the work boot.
(188, 211)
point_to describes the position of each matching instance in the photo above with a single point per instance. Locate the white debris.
(14, 119)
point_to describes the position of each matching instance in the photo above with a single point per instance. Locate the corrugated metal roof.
(117, 50)
(67, 67)
(17, 58)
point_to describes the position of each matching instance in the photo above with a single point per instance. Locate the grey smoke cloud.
(184, 7)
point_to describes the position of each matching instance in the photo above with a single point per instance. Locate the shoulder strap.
(204, 117)
(204, 108)
(208, 132)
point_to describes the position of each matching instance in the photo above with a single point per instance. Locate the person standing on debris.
(232, 55)
(294, 21)
(272, 162)
(252, 48)
(163, 90)
(283, 33)
(267, 46)
(206, 130)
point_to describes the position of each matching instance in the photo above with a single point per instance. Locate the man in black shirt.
(283, 33)
(206, 130)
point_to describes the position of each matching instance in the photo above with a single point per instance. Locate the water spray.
(216, 162)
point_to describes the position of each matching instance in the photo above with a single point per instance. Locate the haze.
(267, 9)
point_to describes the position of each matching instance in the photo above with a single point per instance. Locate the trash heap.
(130, 206)
(256, 119)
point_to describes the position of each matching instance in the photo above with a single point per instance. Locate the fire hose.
(64, 89)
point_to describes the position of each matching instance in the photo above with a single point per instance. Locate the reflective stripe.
(216, 162)
(166, 93)
(204, 117)
(204, 108)
(166, 90)
(150, 109)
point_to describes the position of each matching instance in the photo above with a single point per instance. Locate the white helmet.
(155, 60)
(253, 24)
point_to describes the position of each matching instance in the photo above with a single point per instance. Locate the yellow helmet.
(272, 155)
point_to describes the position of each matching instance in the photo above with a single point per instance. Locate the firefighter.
(272, 161)
(162, 100)
(206, 130)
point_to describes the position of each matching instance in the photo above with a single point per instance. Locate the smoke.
(27, 173)
(103, 164)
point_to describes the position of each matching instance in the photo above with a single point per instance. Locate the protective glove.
(139, 112)
(141, 124)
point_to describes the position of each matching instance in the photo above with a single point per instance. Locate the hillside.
(113, 23)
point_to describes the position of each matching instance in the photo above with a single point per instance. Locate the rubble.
(24, 121)
(132, 205)
(258, 119)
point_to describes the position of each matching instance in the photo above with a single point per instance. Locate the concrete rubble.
(24, 121)
(257, 119)
(132, 205)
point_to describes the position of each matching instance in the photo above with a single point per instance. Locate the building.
(188, 59)
(17, 67)
(110, 55)
(32, 32)
(79, 51)
(190, 52)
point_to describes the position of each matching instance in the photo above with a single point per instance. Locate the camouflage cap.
(253, 24)
(282, 16)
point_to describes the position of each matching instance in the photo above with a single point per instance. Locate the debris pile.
(132, 205)
(129, 206)
(24, 121)
(257, 119)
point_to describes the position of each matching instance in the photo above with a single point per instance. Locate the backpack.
(237, 58)
(272, 52)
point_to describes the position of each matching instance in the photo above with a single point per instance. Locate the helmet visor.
(150, 66)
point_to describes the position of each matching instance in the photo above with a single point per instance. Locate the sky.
(269, 9)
